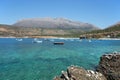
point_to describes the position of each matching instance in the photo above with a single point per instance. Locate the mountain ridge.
(112, 31)
(10, 30)
(54, 23)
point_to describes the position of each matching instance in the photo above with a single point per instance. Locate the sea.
(24, 59)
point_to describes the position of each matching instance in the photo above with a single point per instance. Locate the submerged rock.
(78, 73)
(110, 66)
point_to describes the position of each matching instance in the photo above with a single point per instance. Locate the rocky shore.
(109, 66)
(108, 69)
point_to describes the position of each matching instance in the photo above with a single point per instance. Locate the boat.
(19, 39)
(58, 43)
(89, 41)
(37, 41)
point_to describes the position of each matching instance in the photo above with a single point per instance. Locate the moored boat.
(37, 41)
(58, 43)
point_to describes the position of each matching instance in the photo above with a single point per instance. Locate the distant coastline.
(109, 38)
(57, 37)
(29, 37)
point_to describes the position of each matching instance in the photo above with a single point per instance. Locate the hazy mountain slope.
(115, 27)
(46, 27)
(6, 30)
(59, 23)
(15, 31)
(111, 31)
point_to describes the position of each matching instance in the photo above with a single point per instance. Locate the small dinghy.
(58, 43)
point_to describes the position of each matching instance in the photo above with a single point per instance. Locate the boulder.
(108, 69)
(79, 73)
(109, 66)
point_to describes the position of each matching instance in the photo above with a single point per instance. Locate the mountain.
(109, 32)
(115, 27)
(36, 27)
(15, 31)
(56, 23)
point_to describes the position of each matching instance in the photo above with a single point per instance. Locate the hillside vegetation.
(36, 27)
(14, 31)
(57, 27)
(110, 32)
(55, 23)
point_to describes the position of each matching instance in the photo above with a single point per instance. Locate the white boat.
(37, 41)
(89, 41)
(19, 39)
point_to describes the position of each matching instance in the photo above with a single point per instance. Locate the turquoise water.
(24, 60)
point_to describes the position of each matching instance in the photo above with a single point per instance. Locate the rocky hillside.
(115, 27)
(15, 31)
(110, 32)
(37, 27)
(110, 66)
(55, 23)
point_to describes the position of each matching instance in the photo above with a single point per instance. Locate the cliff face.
(78, 73)
(108, 69)
(110, 66)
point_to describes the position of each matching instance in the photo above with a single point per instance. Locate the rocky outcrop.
(78, 73)
(108, 69)
(110, 66)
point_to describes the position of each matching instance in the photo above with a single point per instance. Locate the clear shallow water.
(24, 60)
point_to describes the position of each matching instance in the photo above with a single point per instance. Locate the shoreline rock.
(79, 73)
(109, 66)
(108, 69)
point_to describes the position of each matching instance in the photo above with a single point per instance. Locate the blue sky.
(101, 13)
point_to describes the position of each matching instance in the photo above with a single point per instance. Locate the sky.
(101, 13)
